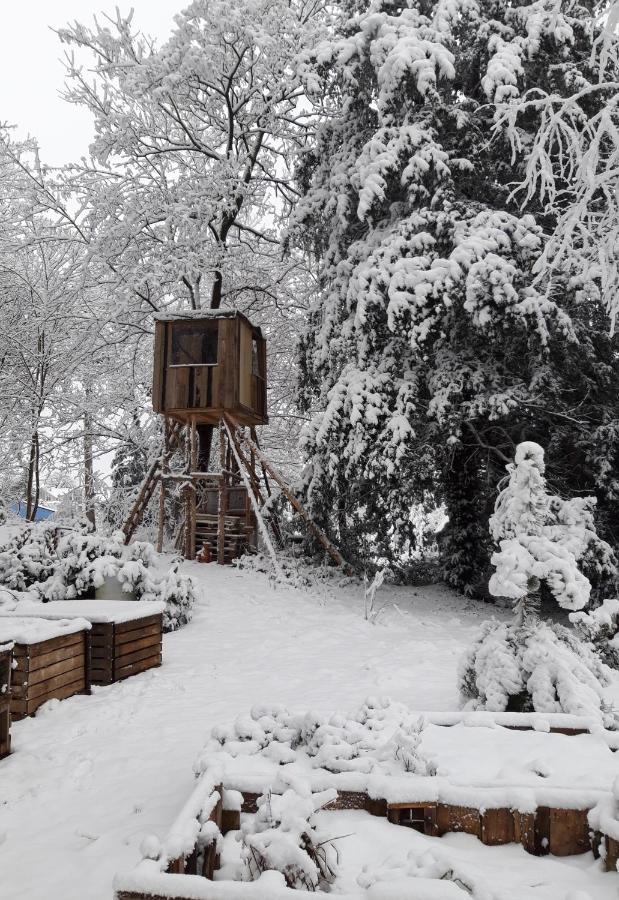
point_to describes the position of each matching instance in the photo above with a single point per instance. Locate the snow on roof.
(198, 314)
(26, 630)
(4, 648)
(94, 611)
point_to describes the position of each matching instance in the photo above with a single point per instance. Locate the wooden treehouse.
(210, 376)
(210, 365)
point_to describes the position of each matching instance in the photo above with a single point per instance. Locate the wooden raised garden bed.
(6, 658)
(51, 661)
(126, 635)
(564, 810)
(562, 832)
(121, 649)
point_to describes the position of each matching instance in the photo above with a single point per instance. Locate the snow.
(94, 611)
(390, 752)
(91, 778)
(24, 630)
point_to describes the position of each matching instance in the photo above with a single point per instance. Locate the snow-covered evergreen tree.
(529, 664)
(542, 538)
(431, 351)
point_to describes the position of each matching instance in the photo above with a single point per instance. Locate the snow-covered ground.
(90, 776)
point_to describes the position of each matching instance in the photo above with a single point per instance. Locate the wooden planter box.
(6, 658)
(52, 661)
(121, 649)
(125, 638)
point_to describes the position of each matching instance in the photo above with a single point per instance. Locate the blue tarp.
(43, 512)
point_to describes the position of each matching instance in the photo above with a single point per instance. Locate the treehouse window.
(255, 358)
(194, 345)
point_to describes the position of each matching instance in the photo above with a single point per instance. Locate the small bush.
(536, 667)
(284, 836)
(601, 628)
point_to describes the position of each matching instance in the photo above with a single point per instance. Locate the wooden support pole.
(320, 536)
(254, 437)
(230, 429)
(223, 499)
(149, 484)
(193, 447)
(190, 521)
(250, 467)
(162, 490)
(161, 521)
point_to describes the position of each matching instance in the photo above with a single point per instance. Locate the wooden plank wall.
(159, 358)
(124, 649)
(6, 657)
(56, 668)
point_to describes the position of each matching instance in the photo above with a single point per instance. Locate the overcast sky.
(31, 73)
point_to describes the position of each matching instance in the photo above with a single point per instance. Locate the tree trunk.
(465, 540)
(33, 484)
(205, 440)
(89, 475)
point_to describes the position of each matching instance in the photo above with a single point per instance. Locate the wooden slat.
(135, 656)
(121, 636)
(102, 645)
(101, 653)
(612, 854)
(542, 831)
(25, 664)
(101, 677)
(49, 686)
(497, 827)
(524, 830)
(103, 630)
(458, 818)
(43, 647)
(61, 693)
(5, 732)
(569, 832)
(145, 622)
(136, 668)
(137, 640)
(51, 671)
(158, 366)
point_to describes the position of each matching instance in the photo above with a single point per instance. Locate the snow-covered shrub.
(284, 836)
(406, 749)
(82, 561)
(532, 665)
(537, 666)
(73, 565)
(601, 628)
(542, 538)
(28, 558)
(379, 736)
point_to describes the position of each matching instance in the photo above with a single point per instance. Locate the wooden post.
(254, 437)
(193, 447)
(223, 498)
(190, 494)
(189, 536)
(161, 521)
(164, 470)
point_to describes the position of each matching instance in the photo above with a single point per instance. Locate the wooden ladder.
(153, 476)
